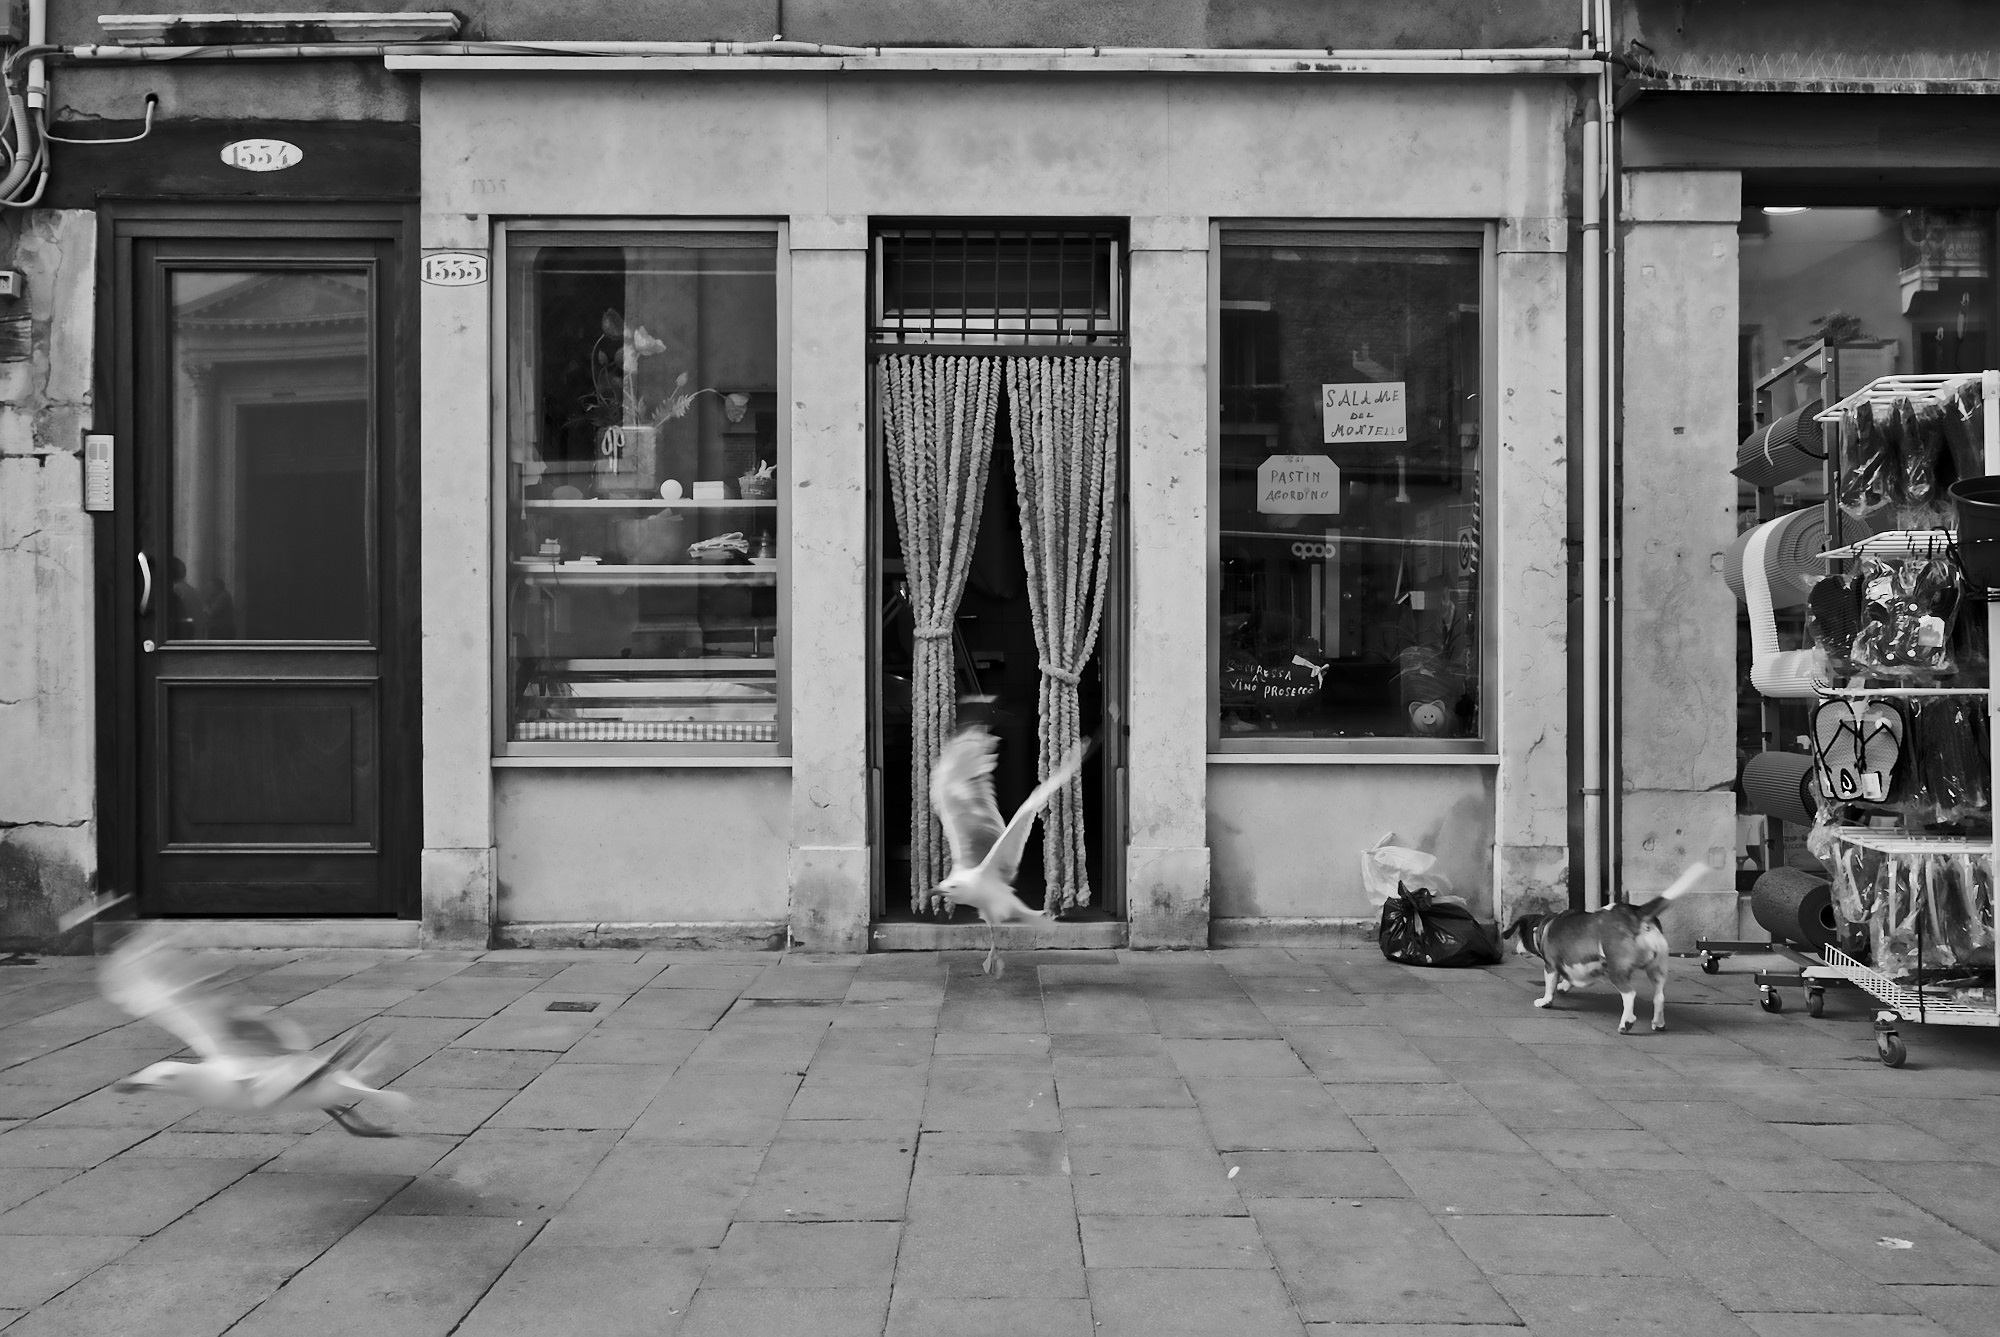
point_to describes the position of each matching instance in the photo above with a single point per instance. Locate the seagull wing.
(962, 796)
(148, 978)
(1004, 859)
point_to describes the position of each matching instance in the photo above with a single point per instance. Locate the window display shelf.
(691, 665)
(605, 573)
(647, 503)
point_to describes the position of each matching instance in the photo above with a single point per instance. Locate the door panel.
(290, 763)
(271, 774)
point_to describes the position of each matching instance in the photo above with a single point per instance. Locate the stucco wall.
(1811, 38)
(647, 846)
(48, 774)
(1276, 23)
(1678, 510)
(1287, 838)
(829, 152)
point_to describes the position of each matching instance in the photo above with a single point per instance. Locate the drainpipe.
(1592, 669)
(1613, 451)
(1600, 788)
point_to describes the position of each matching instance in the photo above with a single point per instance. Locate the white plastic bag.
(1385, 865)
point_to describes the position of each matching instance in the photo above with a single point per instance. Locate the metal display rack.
(1915, 1002)
(1900, 1001)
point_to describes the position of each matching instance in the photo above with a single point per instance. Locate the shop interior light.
(1786, 208)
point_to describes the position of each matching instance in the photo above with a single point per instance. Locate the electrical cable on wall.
(24, 147)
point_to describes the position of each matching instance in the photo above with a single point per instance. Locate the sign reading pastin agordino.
(1368, 411)
(1298, 485)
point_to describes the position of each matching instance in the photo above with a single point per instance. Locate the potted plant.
(625, 423)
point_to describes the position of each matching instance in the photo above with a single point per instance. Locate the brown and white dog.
(1620, 943)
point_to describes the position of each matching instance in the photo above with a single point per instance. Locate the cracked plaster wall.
(48, 837)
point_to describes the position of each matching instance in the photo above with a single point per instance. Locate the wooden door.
(274, 753)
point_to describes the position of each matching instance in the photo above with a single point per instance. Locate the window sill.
(646, 761)
(1353, 759)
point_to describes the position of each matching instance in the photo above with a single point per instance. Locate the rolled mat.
(1779, 784)
(1792, 559)
(1794, 906)
(1789, 448)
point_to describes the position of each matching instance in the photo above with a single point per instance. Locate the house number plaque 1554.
(262, 155)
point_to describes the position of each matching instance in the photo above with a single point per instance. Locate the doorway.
(1030, 318)
(262, 607)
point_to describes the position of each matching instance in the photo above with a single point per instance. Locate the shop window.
(645, 503)
(1350, 557)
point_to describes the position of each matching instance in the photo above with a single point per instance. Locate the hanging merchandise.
(1951, 767)
(1833, 620)
(1908, 607)
(1868, 465)
(1857, 749)
(1917, 444)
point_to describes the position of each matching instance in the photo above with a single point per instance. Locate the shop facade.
(1798, 224)
(541, 518)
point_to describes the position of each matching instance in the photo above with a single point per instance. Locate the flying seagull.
(246, 1060)
(985, 851)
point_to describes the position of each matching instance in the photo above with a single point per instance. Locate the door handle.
(145, 585)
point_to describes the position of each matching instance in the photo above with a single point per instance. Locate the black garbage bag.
(1420, 930)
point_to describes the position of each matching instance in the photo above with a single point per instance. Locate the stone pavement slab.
(740, 1142)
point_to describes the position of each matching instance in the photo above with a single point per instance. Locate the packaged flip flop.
(1868, 464)
(1908, 607)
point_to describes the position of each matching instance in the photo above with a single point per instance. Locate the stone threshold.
(915, 937)
(291, 934)
(755, 934)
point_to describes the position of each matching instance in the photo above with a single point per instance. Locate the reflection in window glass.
(1351, 546)
(643, 486)
(272, 407)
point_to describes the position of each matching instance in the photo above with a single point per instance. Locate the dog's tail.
(1681, 886)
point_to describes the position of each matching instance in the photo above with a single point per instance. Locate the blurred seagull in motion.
(246, 1060)
(985, 851)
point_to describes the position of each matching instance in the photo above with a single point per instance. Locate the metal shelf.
(644, 503)
(605, 573)
(1898, 543)
(1885, 840)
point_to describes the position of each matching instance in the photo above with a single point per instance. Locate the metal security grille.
(999, 287)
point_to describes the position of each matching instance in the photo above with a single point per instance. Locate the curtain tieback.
(1059, 673)
(932, 632)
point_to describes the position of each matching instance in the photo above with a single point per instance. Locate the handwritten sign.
(1366, 411)
(1298, 485)
(262, 155)
(454, 269)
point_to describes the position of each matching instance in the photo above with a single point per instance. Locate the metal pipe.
(1614, 640)
(1592, 484)
(936, 57)
(38, 35)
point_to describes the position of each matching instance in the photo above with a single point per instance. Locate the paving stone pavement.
(1097, 1144)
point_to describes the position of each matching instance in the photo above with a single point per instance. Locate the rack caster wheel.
(1768, 999)
(1711, 964)
(1889, 1048)
(1815, 1002)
